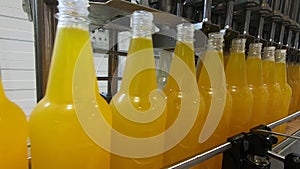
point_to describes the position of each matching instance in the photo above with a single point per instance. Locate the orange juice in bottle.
(242, 98)
(297, 84)
(290, 70)
(255, 83)
(292, 81)
(213, 55)
(133, 98)
(184, 50)
(14, 134)
(268, 65)
(281, 80)
(58, 140)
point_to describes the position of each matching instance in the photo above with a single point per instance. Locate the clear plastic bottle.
(297, 85)
(58, 140)
(13, 134)
(290, 70)
(137, 89)
(242, 98)
(214, 52)
(292, 74)
(281, 80)
(255, 83)
(268, 65)
(184, 49)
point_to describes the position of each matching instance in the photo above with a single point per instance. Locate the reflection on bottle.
(255, 83)
(242, 98)
(184, 49)
(58, 140)
(268, 65)
(214, 53)
(281, 81)
(137, 90)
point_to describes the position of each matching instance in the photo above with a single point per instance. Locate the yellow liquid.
(274, 103)
(286, 91)
(259, 91)
(189, 146)
(293, 81)
(297, 84)
(242, 98)
(57, 138)
(222, 131)
(14, 133)
(139, 89)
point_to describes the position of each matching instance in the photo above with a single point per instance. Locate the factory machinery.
(271, 22)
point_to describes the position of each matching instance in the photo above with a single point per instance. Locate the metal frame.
(44, 31)
(224, 147)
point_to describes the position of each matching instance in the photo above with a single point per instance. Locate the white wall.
(17, 57)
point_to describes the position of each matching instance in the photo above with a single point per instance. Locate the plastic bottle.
(292, 78)
(214, 52)
(268, 65)
(290, 69)
(297, 84)
(14, 134)
(58, 140)
(242, 98)
(184, 49)
(143, 82)
(281, 80)
(255, 83)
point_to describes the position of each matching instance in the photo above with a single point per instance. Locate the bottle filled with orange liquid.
(255, 83)
(293, 81)
(14, 134)
(281, 80)
(213, 55)
(297, 84)
(184, 50)
(274, 103)
(58, 140)
(242, 98)
(133, 98)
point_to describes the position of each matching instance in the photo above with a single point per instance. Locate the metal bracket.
(292, 161)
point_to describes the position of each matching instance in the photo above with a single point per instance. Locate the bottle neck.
(216, 45)
(2, 94)
(79, 24)
(185, 51)
(141, 34)
(268, 72)
(219, 49)
(142, 26)
(72, 41)
(254, 71)
(253, 65)
(254, 55)
(236, 74)
(236, 68)
(280, 71)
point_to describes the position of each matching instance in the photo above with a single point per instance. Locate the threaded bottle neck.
(142, 25)
(73, 13)
(269, 53)
(280, 55)
(185, 32)
(238, 45)
(255, 50)
(216, 40)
